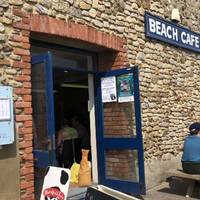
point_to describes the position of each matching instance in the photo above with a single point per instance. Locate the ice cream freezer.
(101, 192)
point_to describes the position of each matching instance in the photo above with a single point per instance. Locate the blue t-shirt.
(191, 151)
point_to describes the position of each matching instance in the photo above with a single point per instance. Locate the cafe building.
(128, 70)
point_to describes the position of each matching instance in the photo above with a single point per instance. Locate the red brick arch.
(45, 24)
(69, 29)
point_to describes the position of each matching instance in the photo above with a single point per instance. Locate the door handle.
(49, 144)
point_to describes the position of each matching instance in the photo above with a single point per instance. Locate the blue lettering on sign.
(163, 30)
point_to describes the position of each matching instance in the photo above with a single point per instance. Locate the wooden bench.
(191, 178)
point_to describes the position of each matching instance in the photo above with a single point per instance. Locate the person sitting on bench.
(191, 150)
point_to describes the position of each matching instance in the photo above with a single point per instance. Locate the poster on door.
(56, 184)
(125, 88)
(108, 88)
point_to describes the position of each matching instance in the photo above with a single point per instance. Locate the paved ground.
(174, 190)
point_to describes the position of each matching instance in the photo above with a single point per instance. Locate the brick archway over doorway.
(45, 24)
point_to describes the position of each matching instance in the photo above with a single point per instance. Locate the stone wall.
(170, 88)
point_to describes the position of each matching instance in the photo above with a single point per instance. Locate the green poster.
(125, 88)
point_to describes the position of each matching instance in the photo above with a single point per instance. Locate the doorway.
(71, 105)
(63, 82)
(72, 91)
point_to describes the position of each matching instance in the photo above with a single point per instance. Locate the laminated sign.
(56, 184)
(108, 88)
(125, 88)
(5, 112)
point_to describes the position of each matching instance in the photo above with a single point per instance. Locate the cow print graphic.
(64, 177)
(56, 184)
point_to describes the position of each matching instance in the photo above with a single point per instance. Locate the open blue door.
(43, 110)
(120, 144)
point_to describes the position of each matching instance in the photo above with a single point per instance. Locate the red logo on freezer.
(53, 193)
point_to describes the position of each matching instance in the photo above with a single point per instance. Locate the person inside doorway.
(66, 140)
(191, 151)
(82, 132)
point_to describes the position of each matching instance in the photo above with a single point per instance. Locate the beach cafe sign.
(163, 30)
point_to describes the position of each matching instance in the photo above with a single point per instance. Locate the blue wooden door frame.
(135, 143)
(46, 158)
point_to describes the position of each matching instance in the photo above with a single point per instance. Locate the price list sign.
(5, 112)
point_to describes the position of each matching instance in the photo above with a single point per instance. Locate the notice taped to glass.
(125, 88)
(108, 89)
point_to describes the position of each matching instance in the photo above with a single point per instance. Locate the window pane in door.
(39, 107)
(122, 165)
(119, 120)
(65, 58)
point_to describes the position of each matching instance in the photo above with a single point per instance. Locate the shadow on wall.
(9, 171)
(156, 171)
(10, 150)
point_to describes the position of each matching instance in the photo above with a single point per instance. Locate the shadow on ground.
(179, 187)
(175, 189)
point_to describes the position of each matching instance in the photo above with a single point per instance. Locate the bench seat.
(179, 173)
(191, 178)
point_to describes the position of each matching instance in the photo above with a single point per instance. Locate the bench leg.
(190, 189)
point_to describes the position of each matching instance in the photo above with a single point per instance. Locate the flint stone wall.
(170, 87)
